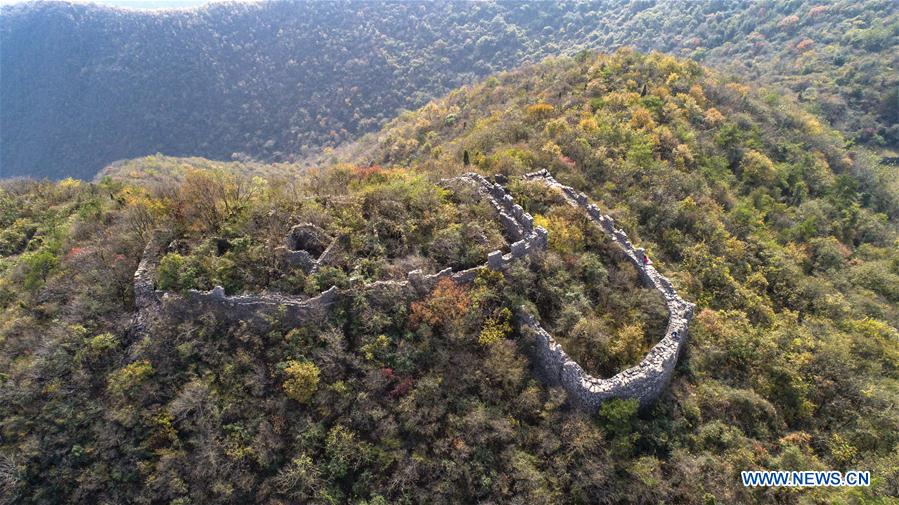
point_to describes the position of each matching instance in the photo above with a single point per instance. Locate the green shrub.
(618, 415)
(101, 344)
(38, 266)
(324, 278)
(178, 273)
(127, 379)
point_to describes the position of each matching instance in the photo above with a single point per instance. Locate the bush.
(539, 111)
(445, 305)
(496, 328)
(14, 238)
(828, 253)
(565, 235)
(629, 346)
(127, 379)
(324, 278)
(177, 272)
(102, 343)
(618, 416)
(757, 168)
(302, 380)
(39, 265)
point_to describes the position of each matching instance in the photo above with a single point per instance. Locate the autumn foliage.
(447, 303)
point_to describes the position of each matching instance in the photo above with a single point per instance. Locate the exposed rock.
(297, 259)
(307, 247)
(178, 246)
(308, 237)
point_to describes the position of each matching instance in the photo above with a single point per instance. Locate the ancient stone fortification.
(263, 309)
(644, 381)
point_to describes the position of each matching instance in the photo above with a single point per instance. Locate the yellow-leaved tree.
(302, 380)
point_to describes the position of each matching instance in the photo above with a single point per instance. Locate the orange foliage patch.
(818, 10)
(366, 172)
(804, 45)
(789, 21)
(448, 302)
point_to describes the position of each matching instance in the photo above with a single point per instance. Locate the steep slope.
(84, 85)
(784, 239)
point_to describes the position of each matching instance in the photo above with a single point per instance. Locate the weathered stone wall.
(644, 381)
(144, 277)
(518, 225)
(293, 311)
(254, 309)
(326, 255)
(648, 379)
(146, 299)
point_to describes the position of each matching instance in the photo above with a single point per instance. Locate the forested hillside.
(84, 85)
(785, 240)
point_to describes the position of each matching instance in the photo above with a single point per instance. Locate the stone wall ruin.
(645, 381)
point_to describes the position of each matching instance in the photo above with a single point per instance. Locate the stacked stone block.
(650, 377)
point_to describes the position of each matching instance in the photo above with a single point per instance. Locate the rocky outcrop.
(648, 379)
(307, 237)
(307, 247)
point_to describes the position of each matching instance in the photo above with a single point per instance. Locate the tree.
(302, 380)
(539, 111)
(445, 305)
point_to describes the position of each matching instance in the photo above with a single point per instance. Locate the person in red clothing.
(645, 260)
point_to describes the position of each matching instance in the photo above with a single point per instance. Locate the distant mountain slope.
(84, 85)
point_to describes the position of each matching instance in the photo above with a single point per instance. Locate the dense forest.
(85, 85)
(753, 207)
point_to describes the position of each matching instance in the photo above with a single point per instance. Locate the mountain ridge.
(279, 81)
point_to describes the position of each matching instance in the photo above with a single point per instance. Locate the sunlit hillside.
(290, 356)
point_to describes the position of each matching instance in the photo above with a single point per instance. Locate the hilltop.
(188, 331)
(86, 85)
